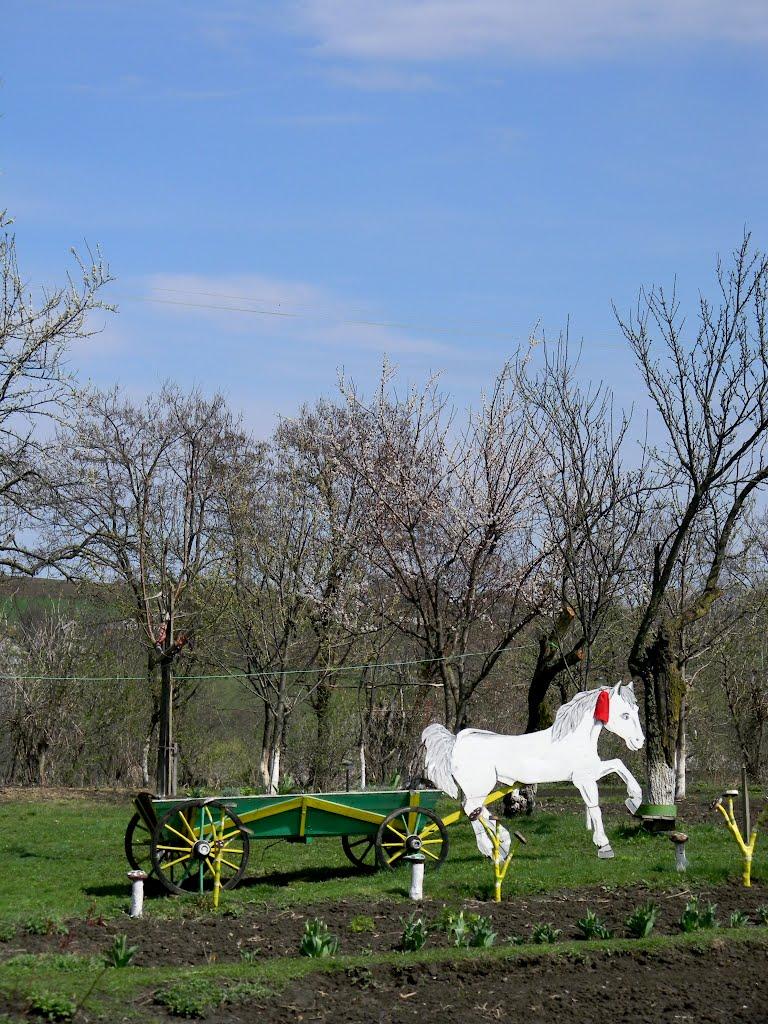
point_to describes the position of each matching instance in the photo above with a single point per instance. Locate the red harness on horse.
(602, 707)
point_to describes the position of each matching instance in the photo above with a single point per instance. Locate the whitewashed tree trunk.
(680, 755)
(362, 765)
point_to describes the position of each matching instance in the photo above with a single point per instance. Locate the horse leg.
(589, 794)
(634, 790)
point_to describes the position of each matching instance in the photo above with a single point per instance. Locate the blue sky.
(461, 170)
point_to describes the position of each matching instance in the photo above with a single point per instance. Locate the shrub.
(361, 923)
(591, 927)
(545, 932)
(195, 997)
(317, 941)
(695, 917)
(46, 925)
(52, 1007)
(738, 919)
(414, 934)
(642, 921)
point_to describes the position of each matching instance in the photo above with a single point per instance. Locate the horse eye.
(625, 715)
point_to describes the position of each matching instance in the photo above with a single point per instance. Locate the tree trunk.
(165, 735)
(664, 688)
(681, 754)
(266, 745)
(321, 755)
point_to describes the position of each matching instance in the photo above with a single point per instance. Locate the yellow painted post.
(500, 867)
(747, 848)
(217, 876)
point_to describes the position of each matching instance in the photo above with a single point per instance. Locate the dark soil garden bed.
(261, 930)
(724, 982)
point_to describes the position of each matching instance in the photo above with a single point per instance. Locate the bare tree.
(140, 494)
(593, 505)
(452, 523)
(34, 337)
(709, 386)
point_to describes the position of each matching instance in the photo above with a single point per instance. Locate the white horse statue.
(476, 761)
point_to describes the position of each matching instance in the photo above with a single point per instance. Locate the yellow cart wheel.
(410, 830)
(191, 838)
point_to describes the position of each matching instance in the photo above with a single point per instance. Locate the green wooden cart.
(203, 845)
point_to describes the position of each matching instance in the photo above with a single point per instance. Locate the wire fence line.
(272, 673)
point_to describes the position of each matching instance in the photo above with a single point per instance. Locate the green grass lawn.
(66, 859)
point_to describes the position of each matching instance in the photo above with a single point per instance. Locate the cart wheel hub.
(202, 848)
(413, 844)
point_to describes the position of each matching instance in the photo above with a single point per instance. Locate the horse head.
(624, 715)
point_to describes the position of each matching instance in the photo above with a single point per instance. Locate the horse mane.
(570, 714)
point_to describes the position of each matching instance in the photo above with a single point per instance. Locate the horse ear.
(615, 689)
(630, 686)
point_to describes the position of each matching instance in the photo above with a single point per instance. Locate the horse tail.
(438, 758)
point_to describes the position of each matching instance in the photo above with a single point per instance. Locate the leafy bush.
(414, 934)
(52, 1007)
(361, 923)
(120, 954)
(44, 924)
(195, 997)
(317, 941)
(695, 917)
(738, 919)
(545, 932)
(591, 927)
(642, 921)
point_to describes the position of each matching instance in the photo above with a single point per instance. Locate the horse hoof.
(605, 853)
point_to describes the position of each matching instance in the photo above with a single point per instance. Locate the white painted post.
(417, 878)
(138, 878)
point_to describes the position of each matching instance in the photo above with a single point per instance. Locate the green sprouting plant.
(195, 997)
(457, 926)
(762, 914)
(51, 1006)
(317, 941)
(46, 925)
(591, 927)
(414, 934)
(7, 932)
(481, 933)
(361, 923)
(642, 920)
(545, 932)
(120, 954)
(695, 917)
(738, 919)
(249, 956)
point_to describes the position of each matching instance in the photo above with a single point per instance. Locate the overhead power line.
(461, 331)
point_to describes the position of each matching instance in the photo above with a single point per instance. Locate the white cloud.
(424, 30)
(294, 311)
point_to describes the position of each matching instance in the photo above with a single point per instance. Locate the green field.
(64, 860)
